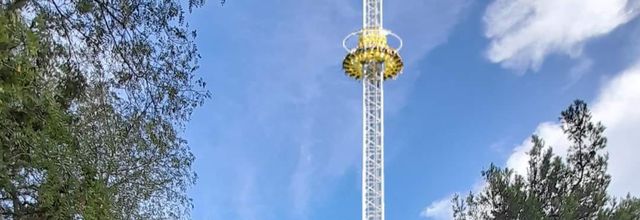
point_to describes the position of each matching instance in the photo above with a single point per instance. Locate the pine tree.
(573, 187)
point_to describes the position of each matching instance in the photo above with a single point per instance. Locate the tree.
(93, 96)
(573, 187)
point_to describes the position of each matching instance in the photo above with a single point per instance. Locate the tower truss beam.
(372, 14)
(373, 141)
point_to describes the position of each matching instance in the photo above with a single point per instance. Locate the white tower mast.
(372, 61)
(373, 122)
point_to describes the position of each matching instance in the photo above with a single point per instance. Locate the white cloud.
(617, 108)
(442, 209)
(523, 32)
(552, 135)
(439, 210)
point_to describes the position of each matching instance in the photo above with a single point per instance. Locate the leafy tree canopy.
(93, 96)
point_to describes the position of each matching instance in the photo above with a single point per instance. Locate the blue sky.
(280, 139)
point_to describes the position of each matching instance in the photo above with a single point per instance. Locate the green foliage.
(93, 96)
(554, 188)
(34, 136)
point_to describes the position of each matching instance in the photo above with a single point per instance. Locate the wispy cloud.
(578, 71)
(284, 109)
(244, 201)
(524, 32)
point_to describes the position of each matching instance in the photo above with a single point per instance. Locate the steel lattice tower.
(372, 62)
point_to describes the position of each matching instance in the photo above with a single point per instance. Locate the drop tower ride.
(372, 62)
